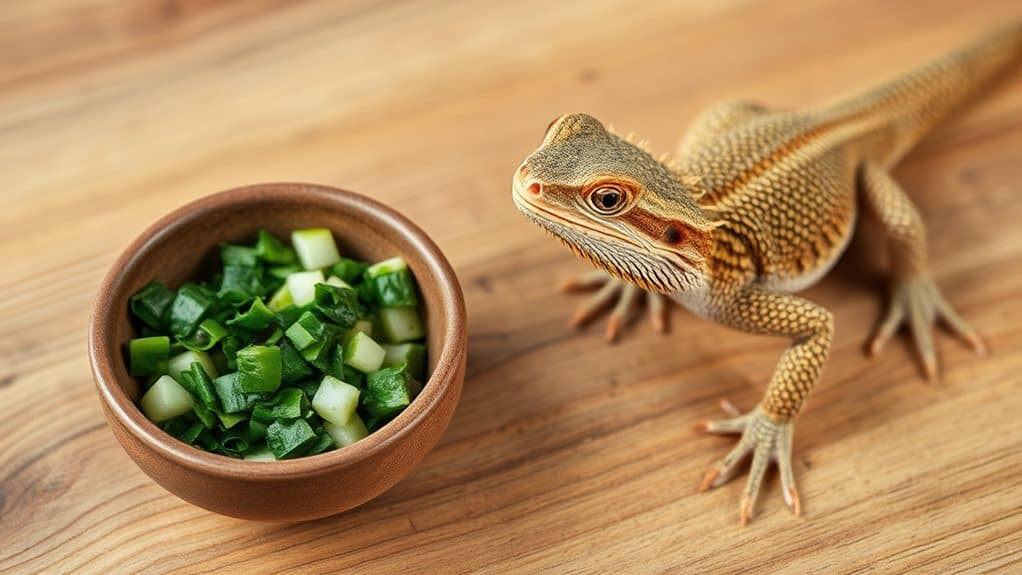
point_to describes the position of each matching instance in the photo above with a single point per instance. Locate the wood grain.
(565, 456)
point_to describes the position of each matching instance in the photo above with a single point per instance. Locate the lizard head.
(613, 204)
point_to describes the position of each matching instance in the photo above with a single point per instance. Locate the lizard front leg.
(767, 430)
(915, 298)
(623, 296)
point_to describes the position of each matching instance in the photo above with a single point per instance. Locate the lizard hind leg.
(618, 296)
(915, 300)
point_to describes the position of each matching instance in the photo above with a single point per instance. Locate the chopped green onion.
(257, 317)
(209, 333)
(150, 304)
(323, 442)
(344, 435)
(348, 270)
(165, 399)
(289, 403)
(394, 289)
(270, 249)
(244, 256)
(203, 386)
(259, 368)
(363, 353)
(286, 438)
(292, 366)
(302, 286)
(307, 330)
(401, 324)
(231, 396)
(315, 248)
(183, 362)
(240, 283)
(387, 391)
(335, 401)
(190, 305)
(149, 355)
(337, 304)
(280, 299)
(412, 355)
(229, 420)
(386, 267)
(261, 453)
(207, 417)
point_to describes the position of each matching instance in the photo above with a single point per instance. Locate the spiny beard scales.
(645, 270)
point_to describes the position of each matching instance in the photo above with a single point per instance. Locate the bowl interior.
(184, 245)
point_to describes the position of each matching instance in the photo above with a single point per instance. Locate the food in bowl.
(285, 351)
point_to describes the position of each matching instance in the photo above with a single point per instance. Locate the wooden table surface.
(565, 455)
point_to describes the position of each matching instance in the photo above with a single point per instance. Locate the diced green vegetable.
(337, 282)
(363, 325)
(344, 435)
(322, 443)
(203, 386)
(270, 249)
(394, 289)
(386, 267)
(261, 453)
(315, 247)
(295, 364)
(337, 304)
(289, 403)
(411, 354)
(183, 362)
(165, 399)
(208, 334)
(348, 270)
(229, 420)
(335, 401)
(231, 255)
(190, 305)
(151, 304)
(149, 355)
(302, 286)
(287, 437)
(387, 391)
(292, 365)
(401, 324)
(239, 283)
(257, 317)
(231, 396)
(363, 353)
(280, 299)
(259, 368)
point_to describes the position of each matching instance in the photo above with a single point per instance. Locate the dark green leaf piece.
(387, 391)
(338, 304)
(288, 437)
(190, 305)
(149, 355)
(150, 304)
(259, 368)
(348, 270)
(271, 250)
(256, 317)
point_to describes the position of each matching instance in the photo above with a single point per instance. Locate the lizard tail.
(906, 108)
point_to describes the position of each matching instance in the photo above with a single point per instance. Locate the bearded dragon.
(759, 204)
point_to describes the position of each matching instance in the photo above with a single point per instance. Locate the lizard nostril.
(535, 188)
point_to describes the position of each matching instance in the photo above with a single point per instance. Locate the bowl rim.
(102, 355)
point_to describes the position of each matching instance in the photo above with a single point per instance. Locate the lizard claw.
(919, 303)
(619, 295)
(766, 440)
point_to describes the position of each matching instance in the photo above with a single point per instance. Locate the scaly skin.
(761, 204)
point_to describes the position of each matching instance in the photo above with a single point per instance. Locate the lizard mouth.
(643, 268)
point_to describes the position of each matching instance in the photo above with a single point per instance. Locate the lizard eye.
(607, 200)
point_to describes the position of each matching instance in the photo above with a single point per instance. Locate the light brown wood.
(564, 455)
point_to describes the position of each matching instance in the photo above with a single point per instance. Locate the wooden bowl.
(174, 249)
